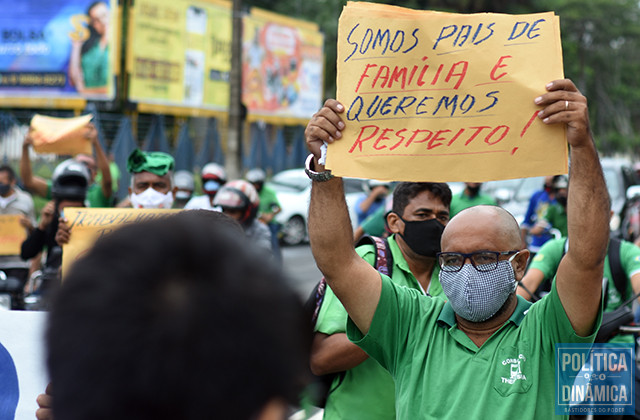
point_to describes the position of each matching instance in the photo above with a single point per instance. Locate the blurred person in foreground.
(178, 318)
(448, 358)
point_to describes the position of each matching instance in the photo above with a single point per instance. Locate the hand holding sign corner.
(441, 97)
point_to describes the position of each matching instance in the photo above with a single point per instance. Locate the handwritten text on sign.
(445, 97)
(89, 224)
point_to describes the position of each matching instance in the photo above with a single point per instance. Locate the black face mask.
(562, 200)
(423, 236)
(473, 191)
(4, 189)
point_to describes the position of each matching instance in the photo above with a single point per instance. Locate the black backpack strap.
(615, 264)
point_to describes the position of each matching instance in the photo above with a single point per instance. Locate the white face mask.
(151, 199)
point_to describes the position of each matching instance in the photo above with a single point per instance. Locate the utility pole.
(234, 139)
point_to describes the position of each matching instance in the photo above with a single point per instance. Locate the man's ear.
(520, 263)
(130, 191)
(394, 222)
(174, 191)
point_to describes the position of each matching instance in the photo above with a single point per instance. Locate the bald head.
(482, 228)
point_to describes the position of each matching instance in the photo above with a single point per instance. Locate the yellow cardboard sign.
(89, 224)
(62, 136)
(435, 96)
(12, 234)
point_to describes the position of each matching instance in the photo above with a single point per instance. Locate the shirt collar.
(5, 201)
(447, 315)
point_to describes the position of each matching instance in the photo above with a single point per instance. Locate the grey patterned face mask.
(477, 296)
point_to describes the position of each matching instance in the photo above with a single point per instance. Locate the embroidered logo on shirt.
(516, 369)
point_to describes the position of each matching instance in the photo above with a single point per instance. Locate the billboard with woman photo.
(61, 49)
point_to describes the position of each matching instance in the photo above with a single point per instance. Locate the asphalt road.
(299, 265)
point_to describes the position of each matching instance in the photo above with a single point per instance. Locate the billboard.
(179, 54)
(58, 50)
(282, 67)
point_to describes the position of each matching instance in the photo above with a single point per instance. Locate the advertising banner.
(282, 67)
(179, 53)
(61, 49)
(435, 96)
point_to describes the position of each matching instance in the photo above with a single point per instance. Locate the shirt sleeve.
(33, 244)
(553, 323)
(393, 326)
(548, 258)
(332, 318)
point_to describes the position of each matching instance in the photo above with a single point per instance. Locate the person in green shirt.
(269, 207)
(419, 213)
(485, 353)
(545, 264)
(469, 197)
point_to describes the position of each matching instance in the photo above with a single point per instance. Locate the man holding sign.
(484, 342)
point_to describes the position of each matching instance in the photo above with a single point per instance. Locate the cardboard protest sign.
(433, 96)
(22, 367)
(89, 224)
(62, 136)
(12, 234)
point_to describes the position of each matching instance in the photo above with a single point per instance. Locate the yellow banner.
(435, 96)
(179, 53)
(12, 234)
(62, 136)
(89, 224)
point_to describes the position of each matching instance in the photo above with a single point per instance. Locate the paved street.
(299, 265)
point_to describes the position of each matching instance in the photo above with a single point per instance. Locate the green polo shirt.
(556, 216)
(462, 201)
(548, 259)
(268, 200)
(367, 391)
(374, 224)
(441, 374)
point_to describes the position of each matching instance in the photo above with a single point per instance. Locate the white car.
(293, 189)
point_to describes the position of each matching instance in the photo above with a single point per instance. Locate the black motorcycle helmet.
(70, 181)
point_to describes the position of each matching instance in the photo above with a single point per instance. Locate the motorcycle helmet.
(183, 180)
(70, 181)
(239, 195)
(256, 176)
(560, 182)
(213, 177)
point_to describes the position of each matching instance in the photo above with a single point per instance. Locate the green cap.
(158, 163)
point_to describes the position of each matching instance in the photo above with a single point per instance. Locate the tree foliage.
(601, 45)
